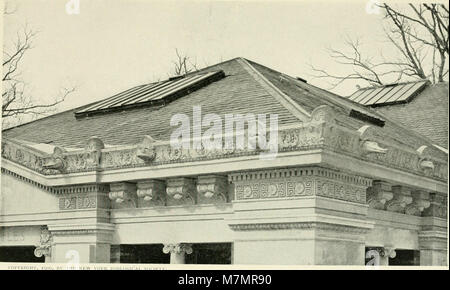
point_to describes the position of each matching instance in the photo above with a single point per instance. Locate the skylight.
(154, 94)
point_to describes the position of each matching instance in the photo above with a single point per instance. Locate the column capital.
(180, 248)
(402, 198)
(379, 194)
(151, 191)
(44, 248)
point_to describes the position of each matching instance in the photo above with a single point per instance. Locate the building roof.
(426, 113)
(247, 87)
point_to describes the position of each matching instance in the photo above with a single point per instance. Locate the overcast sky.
(115, 44)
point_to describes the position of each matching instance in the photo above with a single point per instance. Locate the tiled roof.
(427, 113)
(247, 87)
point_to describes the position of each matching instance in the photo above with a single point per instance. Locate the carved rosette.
(123, 194)
(212, 189)
(379, 194)
(152, 191)
(146, 149)
(93, 152)
(44, 248)
(181, 248)
(181, 191)
(402, 198)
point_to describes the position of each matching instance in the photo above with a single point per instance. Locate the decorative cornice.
(299, 225)
(322, 132)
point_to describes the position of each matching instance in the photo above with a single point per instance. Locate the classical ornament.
(44, 248)
(323, 113)
(368, 145)
(212, 188)
(146, 149)
(402, 198)
(378, 194)
(123, 193)
(421, 201)
(438, 206)
(152, 190)
(295, 182)
(181, 191)
(181, 248)
(425, 163)
(93, 151)
(56, 160)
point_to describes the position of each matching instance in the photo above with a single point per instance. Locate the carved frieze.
(212, 189)
(151, 192)
(300, 182)
(181, 191)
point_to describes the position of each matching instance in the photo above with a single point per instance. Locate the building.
(348, 185)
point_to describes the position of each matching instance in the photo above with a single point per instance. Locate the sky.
(112, 45)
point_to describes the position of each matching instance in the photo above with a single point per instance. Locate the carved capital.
(379, 194)
(44, 248)
(56, 160)
(212, 188)
(181, 191)
(152, 190)
(123, 193)
(146, 149)
(402, 198)
(180, 248)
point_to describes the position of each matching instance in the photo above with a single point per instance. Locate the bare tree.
(418, 33)
(183, 64)
(16, 101)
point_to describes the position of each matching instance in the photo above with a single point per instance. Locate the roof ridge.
(286, 101)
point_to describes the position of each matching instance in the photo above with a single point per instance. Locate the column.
(177, 252)
(433, 235)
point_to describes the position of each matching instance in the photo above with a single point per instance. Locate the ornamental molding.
(299, 226)
(44, 248)
(298, 182)
(321, 132)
